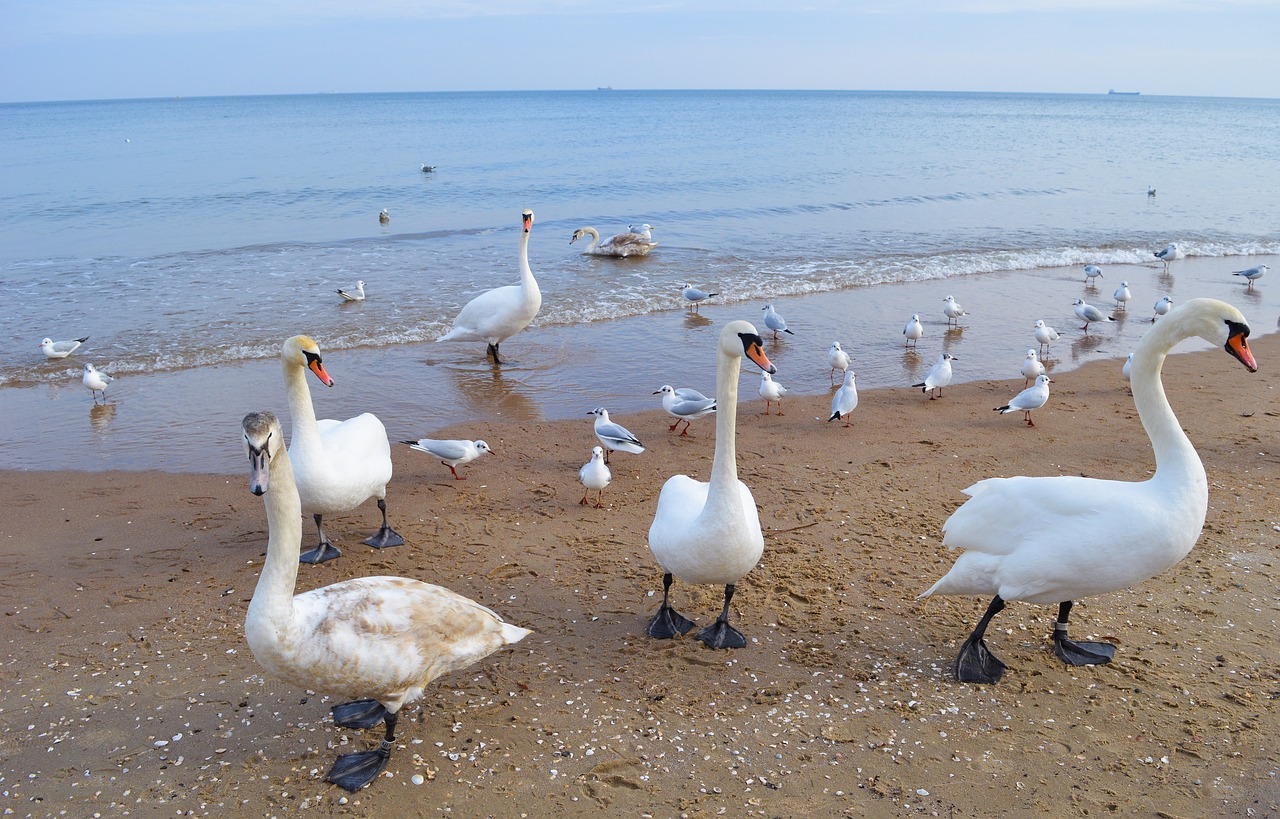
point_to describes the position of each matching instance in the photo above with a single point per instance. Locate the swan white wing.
(356, 465)
(699, 544)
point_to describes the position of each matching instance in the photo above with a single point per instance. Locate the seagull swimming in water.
(357, 295)
(60, 349)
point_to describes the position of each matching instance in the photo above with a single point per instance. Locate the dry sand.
(126, 687)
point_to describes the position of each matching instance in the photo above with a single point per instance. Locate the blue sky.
(104, 49)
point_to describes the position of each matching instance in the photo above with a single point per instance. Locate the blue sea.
(188, 237)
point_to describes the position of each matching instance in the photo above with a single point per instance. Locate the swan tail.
(458, 334)
(514, 634)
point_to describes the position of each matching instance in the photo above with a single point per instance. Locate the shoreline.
(129, 589)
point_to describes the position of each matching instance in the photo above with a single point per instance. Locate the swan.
(684, 404)
(1054, 539)
(838, 359)
(594, 475)
(775, 322)
(913, 330)
(845, 399)
(693, 295)
(771, 391)
(1251, 275)
(60, 349)
(1031, 367)
(339, 464)
(451, 453)
(1091, 272)
(1122, 296)
(953, 311)
(96, 382)
(1032, 398)
(1088, 313)
(382, 639)
(621, 244)
(939, 376)
(357, 295)
(496, 315)
(710, 532)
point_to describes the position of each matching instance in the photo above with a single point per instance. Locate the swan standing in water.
(622, 244)
(60, 349)
(382, 639)
(1054, 539)
(710, 532)
(339, 464)
(496, 315)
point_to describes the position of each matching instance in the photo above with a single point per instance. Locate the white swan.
(380, 638)
(339, 464)
(498, 314)
(939, 376)
(710, 532)
(60, 349)
(621, 244)
(1054, 539)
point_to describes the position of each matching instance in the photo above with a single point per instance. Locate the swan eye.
(312, 358)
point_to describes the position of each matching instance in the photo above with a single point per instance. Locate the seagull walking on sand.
(1031, 367)
(1088, 313)
(953, 310)
(594, 475)
(685, 405)
(451, 453)
(913, 330)
(1091, 272)
(1044, 334)
(615, 437)
(693, 295)
(1122, 296)
(845, 401)
(771, 391)
(838, 359)
(939, 376)
(1163, 306)
(96, 382)
(1169, 254)
(1032, 398)
(1252, 274)
(356, 295)
(775, 322)
(60, 349)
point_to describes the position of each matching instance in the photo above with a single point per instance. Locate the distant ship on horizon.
(1124, 93)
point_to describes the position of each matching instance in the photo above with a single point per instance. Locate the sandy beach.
(126, 687)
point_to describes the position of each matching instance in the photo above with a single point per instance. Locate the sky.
(119, 49)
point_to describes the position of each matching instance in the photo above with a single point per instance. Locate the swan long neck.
(272, 605)
(1175, 456)
(724, 468)
(595, 238)
(527, 281)
(301, 410)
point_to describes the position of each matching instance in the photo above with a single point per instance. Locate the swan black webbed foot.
(359, 714)
(975, 663)
(493, 351)
(385, 537)
(1077, 653)
(667, 623)
(325, 551)
(354, 771)
(720, 634)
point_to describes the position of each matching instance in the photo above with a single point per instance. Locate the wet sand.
(126, 687)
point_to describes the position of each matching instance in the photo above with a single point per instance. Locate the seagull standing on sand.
(771, 391)
(1169, 254)
(1252, 274)
(357, 295)
(1031, 367)
(1128, 365)
(845, 401)
(913, 330)
(1088, 313)
(1032, 398)
(1044, 334)
(384, 217)
(60, 349)
(615, 437)
(96, 382)
(775, 322)
(838, 359)
(1091, 272)
(693, 295)
(684, 404)
(594, 475)
(938, 377)
(1163, 306)
(953, 310)
(1122, 296)
(451, 453)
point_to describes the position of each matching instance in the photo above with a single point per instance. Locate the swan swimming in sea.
(594, 474)
(710, 532)
(621, 244)
(357, 295)
(1054, 539)
(496, 315)
(938, 377)
(684, 404)
(451, 453)
(338, 464)
(60, 349)
(380, 639)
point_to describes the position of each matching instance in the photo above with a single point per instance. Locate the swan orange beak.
(314, 364)
(753, 346)
(1238, 346)
(528, 221)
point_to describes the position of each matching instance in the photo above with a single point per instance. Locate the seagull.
(939, 376)
(96, 382)
(838, 359)
(771, 391)
(1091, 272)
(913, 330)
(1252, 274)
(428, 168)
(1032, 398)
(615, 437)
(384, 217)
(684, 404)
(1169, 254)
(451, 453)
(774, 321)
(642, 230)
(1163, 306)
(953, 310)
(594, 475)
(845, 401)
(1088, 313)
(693, 295)
(1031, 367)
(358, 295)
(1045, 333)
(1122, 296)
(1151, 191)
(1128, 363)
(60, 349)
